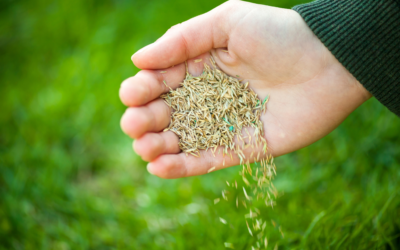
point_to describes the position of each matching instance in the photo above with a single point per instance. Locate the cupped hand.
(311, 93)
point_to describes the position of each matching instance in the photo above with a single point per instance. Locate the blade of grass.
(342, 241)
(312, 225)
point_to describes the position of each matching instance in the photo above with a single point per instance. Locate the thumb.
(184, 41)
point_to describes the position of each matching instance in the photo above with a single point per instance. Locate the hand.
(311, 93)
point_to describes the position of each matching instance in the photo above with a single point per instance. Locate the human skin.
(311, 93)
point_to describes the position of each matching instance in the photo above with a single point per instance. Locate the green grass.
(70, 180)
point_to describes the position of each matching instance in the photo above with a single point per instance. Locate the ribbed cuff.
(364, 35)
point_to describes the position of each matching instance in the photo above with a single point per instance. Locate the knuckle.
(154, 142)
(174, 27)
(160, 82)
(158, 143)
(173, 170)
(148, 146)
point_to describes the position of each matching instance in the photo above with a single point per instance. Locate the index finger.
(184, 41)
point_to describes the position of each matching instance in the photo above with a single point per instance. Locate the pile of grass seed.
(212, 111)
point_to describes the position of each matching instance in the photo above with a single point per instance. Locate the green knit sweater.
(364, 35)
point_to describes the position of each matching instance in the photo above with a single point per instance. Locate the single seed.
(250, 232)
(222, 220)
(228, 245)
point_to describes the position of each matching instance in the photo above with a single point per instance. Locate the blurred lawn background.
(70, 180)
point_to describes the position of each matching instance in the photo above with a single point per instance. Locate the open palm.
(311, 93)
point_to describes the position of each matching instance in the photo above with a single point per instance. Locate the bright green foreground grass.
(69, 179)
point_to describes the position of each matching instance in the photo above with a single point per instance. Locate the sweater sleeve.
(364, 35)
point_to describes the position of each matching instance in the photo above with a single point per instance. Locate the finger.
(153, 117)
(186, 40)
(148, 85)
(152, 145)
(171, 166)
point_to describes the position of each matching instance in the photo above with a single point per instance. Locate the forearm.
(364, 35)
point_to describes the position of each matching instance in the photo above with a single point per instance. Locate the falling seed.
(222, 220)
(163, 72)
(250, 232)
(263, 226)
(216, 200)
(224, 50)
(198, 60)
(245, 194)
(228, 245)
(246, 181)
(280, 230)
(211, 169)
(224, 196)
